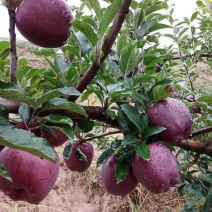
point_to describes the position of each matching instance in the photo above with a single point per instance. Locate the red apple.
(174, 115)
(33, 177)
(109, 179)
(73, 163)
(55, 140)
(45, 23)
(160, 172)
(196, 109)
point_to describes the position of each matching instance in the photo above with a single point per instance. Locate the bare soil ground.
(76, 192)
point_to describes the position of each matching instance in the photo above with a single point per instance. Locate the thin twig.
(102, 135)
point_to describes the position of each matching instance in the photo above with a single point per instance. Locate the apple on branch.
(33, 177)
(81, 157)
(45, 23)
(160, 172)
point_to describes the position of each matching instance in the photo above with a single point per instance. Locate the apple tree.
(110, 84)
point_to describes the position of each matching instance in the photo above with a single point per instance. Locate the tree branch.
(94, 113)
(106, 48)
(99, 114)
(184, 56)
(200, 132)
(198, 147)
(13, 52)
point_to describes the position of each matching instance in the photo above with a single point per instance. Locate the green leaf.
(59, 103)
(124, 121)
(206, 99)
(5, 54)
(4, 116)
(44, 52)
(188, 62)
(85, 124)
(67, 151)
(129, 59)
(26, 141)
(4, 173)
(87, 30)
(4, 45)
(105, 156)
(194, 16)
(156, 7)
(57, 93)
(53, 67)
(158, 26)
(61, 65)
(108, 16)
(208, 202)
(122, 171)
(22, 62)
(206, 177)
(122, 42)
(81, 156)
(75, 50)
(24, 112)
(57, 119)
(145, 27)
(161, 92)
(1, 65)
(138, 17)
(13, 92)
(96, 7)
(84, 43)
(129, 139)
(143, 151)
(153, 130)
(134, 116)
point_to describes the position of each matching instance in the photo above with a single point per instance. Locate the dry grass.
(138, 200)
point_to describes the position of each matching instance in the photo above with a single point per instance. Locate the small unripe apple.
(196, 109)
(45, 23)
(55, 140)
(174, 115)
(33, 177)
(159, 173)
(109, 179)
(76, 164)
